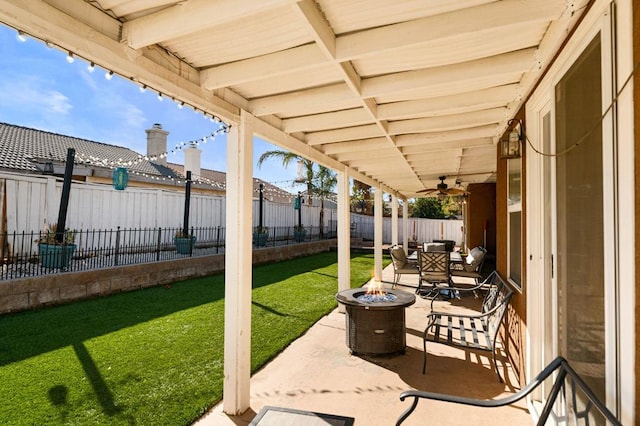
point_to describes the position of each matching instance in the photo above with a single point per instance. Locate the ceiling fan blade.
(423, 191)
(457, 191)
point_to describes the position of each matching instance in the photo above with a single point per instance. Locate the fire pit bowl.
(375, 325)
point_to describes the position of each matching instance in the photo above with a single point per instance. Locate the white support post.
(405, 225)
(394, 220)
(377, 235)
(238, 252)
(344, 234)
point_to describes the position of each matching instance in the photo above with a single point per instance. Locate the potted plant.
(260, 236)
(299, 233)
(184, 242)
(54, 253)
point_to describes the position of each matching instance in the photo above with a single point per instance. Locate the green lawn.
(153, 356)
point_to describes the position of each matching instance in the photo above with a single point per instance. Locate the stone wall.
(35, 292)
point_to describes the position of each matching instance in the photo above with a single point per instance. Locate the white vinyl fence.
(421, 230)
(32, 202)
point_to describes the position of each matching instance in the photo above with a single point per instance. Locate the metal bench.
(570, 400)
(474, 331)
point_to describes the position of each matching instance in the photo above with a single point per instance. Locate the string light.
(108, 75)
(91, 67)
(70, 58)
(21, 36)
(143, 88)
(160, 96)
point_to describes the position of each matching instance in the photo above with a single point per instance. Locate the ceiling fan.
(443, 189)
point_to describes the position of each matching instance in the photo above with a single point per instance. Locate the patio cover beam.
(238, 268)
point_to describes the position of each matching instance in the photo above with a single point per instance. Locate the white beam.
(262, 67)
(344, 233)
(320, 29)
(187, 17)
(448, 136)
(474, 20)
(444, 146)
(377, 234)
(448, 122)
(238, 268)
(394, 220)
(452, 104)
(337, 96)
(462, 73)
(341, 135)
(360, 145)
(405, 225)
(329, 120)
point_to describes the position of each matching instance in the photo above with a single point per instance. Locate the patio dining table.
(454, 257)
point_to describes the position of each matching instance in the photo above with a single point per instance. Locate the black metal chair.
(434, 269)
(569, 400)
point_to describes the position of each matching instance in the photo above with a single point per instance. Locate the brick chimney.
(157, 143)
(192, 160)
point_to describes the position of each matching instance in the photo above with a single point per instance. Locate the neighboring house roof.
(215, 178)
(23, 149)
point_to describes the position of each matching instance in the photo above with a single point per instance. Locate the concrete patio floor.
(318, 373)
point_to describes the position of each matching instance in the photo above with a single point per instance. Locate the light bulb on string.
(108, 75)
(70, 58)
(91, 67)
(160, 96)
(21, 36)
(143, 88)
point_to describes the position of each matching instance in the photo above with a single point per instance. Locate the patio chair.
(433, 247)
(471, 266)
(569, 398)
(402, 265)
(434, 269)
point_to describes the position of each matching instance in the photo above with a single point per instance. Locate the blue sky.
(40, 89)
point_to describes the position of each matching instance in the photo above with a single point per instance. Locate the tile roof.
(22, 148)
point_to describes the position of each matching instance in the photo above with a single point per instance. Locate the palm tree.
(286, 158)
(320, 183)
(323, 185)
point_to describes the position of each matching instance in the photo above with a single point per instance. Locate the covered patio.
(396, 95)
(317, 373)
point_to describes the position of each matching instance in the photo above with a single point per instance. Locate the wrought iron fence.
(26, 254)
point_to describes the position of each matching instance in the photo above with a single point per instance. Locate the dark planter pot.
(184, 245)
(299, 236)
(55, 256)
(260, 239)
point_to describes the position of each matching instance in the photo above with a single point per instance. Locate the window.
(514, 217)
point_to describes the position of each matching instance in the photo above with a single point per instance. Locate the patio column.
(238, 252)
(394, 220)
(344, 234)
(377, 234)
(405, 225)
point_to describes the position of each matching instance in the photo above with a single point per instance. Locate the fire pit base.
(375, 328)
(375, 331)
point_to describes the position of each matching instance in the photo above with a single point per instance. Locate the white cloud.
(31, 95)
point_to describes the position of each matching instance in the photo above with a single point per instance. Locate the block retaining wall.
(35, 292)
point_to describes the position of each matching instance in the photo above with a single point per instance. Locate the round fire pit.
(375, 324)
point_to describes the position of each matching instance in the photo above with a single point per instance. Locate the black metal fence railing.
(27, 254)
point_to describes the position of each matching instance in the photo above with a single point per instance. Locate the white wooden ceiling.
(400, 91)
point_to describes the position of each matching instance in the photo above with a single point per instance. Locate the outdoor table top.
(454, 256)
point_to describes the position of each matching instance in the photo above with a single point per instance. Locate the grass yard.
(153, 356)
